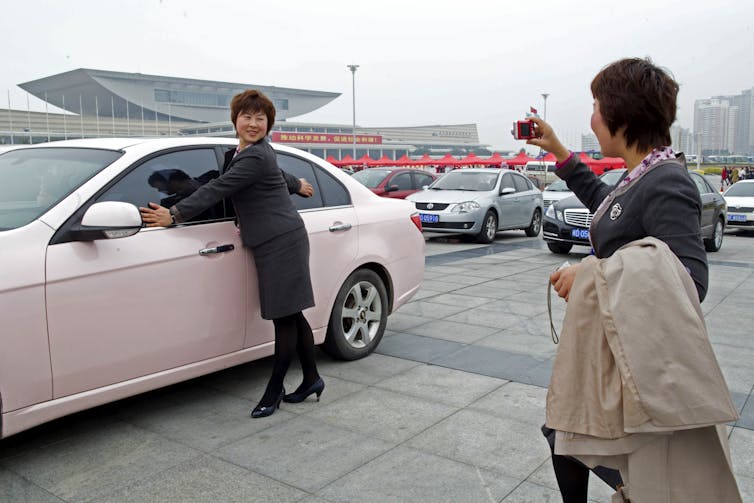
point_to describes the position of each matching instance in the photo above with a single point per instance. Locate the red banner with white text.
(283, 137)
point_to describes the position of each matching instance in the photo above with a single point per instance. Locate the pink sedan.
(95, 307)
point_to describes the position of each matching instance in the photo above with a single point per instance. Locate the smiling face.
(251, 127)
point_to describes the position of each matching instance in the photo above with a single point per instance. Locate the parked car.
(95, 307)
(555, 192)
(394, 182)
(566, 222)
(543, 171)
(480, 202)
(740, 199)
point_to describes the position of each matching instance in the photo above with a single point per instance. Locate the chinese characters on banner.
(282, 137)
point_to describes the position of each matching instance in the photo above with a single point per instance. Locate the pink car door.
(124, 308)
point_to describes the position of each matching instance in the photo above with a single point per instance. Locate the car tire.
(358, 318)
(536, 224)
(715, 242)
(489, 228)
(559, 248)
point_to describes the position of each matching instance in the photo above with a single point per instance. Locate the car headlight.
(559, 215)
(466, 207)
(550, 213)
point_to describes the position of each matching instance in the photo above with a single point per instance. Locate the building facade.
(723, 124)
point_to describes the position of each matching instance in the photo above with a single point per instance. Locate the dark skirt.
(285, 285)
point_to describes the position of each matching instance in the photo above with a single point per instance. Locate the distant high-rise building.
(682, 139)
(724, 124)
(589, 143)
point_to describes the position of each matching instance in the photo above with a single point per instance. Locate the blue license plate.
(580, 233)
(736, 218)
(429, 219)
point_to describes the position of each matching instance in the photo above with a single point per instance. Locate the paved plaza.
(447, 410)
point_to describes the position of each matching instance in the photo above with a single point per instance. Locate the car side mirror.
(108, 220)
(392, 188)
(507, 190)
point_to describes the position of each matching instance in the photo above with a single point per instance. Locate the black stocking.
(292, 334)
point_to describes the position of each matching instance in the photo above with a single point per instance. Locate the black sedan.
(566, 222)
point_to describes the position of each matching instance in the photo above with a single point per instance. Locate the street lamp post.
(545, 95)
(353, 92)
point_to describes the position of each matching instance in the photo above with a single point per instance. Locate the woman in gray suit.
(273, 230)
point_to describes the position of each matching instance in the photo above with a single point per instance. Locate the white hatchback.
(88, 318)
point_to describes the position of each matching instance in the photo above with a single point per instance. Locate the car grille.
(740, 209)
(431, 206)
(578, 218)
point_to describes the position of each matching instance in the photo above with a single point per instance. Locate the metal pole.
(65, 125)
(96, 111)
(545, 95)
(353, 93)
(47, 118)
(28, 118)
(10, 120)
(81, 114)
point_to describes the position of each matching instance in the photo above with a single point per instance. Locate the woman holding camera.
(634, 107)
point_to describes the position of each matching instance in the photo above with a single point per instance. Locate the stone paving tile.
(369, 370)
(487, 316)
(16, 489)
(399, 322)
(407, 475)
(304, 452)
(95, 463)
(747, 414)
(742, 451)
(453, 331)
(522, 402)
(417, 348)
(745, 487)
(382, 414)
(440, 286)
(488, 290)
(516, 340)
(430, 310)
(496, 443)
(206, 480)
(533, 493)
(453, 299)
(204, 421)
(439, 384)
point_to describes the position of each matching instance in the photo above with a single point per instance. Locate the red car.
(394, 182)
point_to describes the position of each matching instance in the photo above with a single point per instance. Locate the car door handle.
(216, 249)
(339, 226)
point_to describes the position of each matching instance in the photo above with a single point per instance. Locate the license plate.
(580, 233)
(736, 218)
(426, 218)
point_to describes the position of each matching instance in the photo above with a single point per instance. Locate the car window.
(34, 180)
(422, 179)
(402, 180)
(327, 190)
(168, 178)
(558, 186)
(371, 177)
(521, 183)
(613, 177)
(741, 190)
(701, 184)
(508, 182)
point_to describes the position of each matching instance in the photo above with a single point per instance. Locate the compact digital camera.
(523, 130)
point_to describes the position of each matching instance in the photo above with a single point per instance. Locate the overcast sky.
(421, 63)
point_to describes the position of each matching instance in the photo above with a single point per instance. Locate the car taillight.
(417, 221)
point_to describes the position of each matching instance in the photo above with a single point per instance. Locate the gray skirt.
(285, 285)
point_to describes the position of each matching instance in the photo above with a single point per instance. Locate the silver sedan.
(480, 202)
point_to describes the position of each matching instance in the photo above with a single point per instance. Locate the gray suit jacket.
(259, 190)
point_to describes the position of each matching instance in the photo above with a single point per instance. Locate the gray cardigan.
(259, 190)
(662, 202)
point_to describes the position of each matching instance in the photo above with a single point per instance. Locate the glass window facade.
(194, 98)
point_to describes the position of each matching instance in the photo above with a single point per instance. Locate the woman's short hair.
(252, 101)
(635, 94)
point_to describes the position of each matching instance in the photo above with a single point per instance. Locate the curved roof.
(101, 92)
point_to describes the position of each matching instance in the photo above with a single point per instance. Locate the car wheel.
(559, 248)
(535, 225)
(715, 242)
(489, 228)
(358, 317)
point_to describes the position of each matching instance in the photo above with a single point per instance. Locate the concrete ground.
(447, 409)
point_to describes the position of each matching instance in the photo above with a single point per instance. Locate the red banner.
(283, 137)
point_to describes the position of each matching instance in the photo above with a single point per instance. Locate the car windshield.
(465, 180)
(559, 186)
(33, 180)
(612, 177)
(741, 190)
(371, 177)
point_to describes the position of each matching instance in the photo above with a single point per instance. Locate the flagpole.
(128, 121)
(65, 125)
(96, 111)
(112, 112)
(10, 120)
(81, 115)
(47, 117)
(142, 119)
(28, 118)
(170, 122)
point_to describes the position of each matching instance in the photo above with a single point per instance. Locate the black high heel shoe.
(267, 410)
(317, 387)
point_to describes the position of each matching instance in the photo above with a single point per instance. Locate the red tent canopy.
(520, 159)
(472, 160)
(447, 160)
(365, 159)
(332, 160)
(495, 159)
(425, 160)
(384, 161)
(346, 161)
(549, 157)
(405, 160)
